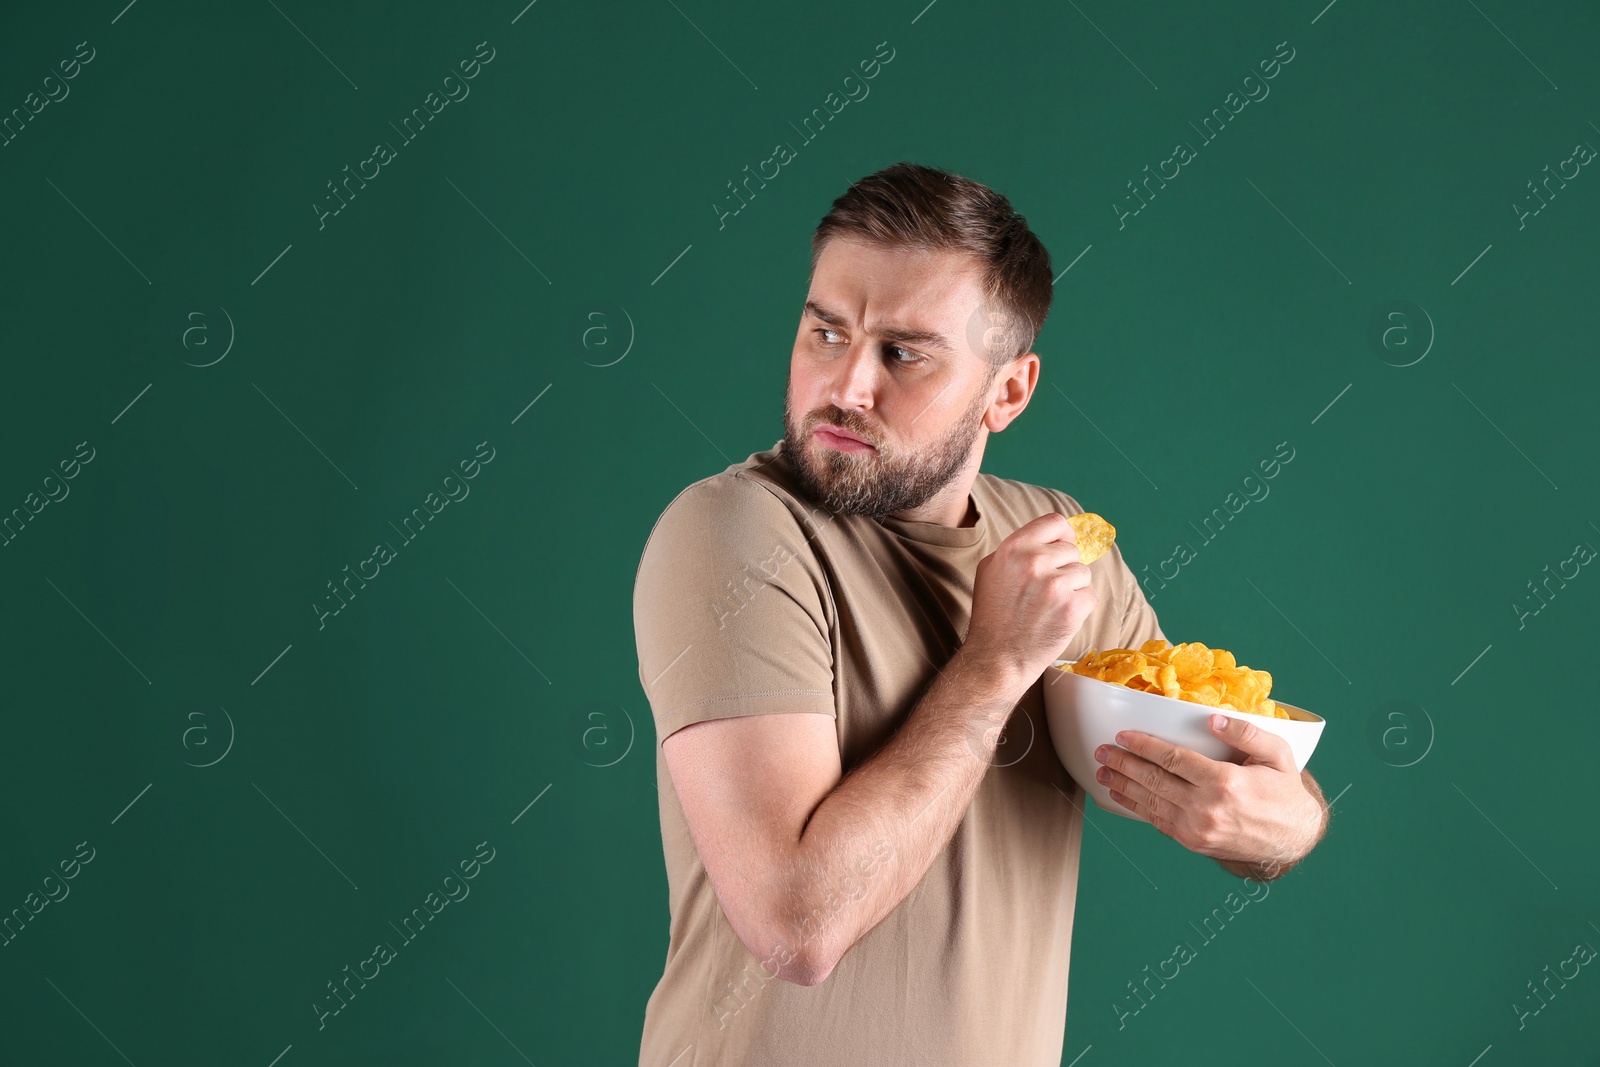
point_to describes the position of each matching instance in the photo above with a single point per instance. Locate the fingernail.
(1219, 721)
(1101, 753)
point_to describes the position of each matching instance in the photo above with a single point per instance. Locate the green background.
(484, 687)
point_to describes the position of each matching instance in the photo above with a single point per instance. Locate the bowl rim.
(1297, 714)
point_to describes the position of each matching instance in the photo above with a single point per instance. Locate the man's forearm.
(871, 840)
(1272, 868)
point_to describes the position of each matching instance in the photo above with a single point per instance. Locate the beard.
(882, 482)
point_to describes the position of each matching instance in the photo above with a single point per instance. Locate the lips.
(836, 431)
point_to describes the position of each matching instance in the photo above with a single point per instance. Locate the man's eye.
(911, 358)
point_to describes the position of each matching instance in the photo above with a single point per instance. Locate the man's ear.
(1013, 387)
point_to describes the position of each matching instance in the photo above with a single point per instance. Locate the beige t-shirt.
(751, 600)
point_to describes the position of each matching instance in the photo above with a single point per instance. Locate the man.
(871, 847)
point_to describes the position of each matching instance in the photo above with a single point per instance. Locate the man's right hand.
(1030, 597)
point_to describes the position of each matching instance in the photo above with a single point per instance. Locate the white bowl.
(1085, 713)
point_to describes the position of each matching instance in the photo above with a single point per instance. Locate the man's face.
(883, 351)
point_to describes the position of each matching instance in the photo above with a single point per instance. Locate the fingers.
(1063, 556)
(1080, 604)
(1184, 763)
(1063, 532)
(1050, 535)
(1139, 799)
(1262, 746)
(1052, 526)
(1140, 778)
(1052, 555)
(1172, 805)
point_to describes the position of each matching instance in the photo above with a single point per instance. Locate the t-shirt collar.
(934, 533)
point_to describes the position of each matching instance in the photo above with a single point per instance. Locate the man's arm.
(803, 863)
(1262, 816)
(1274, 827)
(1273, 869)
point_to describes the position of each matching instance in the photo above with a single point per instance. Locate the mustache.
(844, 422)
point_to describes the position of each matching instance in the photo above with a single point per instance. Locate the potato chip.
(1119, 672)
(1094, 535)
(1192, 660)
(1189, 671)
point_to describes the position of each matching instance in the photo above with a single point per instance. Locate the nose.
(856, 378)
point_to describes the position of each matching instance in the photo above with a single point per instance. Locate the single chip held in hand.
(1094, 535)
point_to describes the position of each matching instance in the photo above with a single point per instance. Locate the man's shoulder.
(738, 497)
(1026, 497)
(740, 509)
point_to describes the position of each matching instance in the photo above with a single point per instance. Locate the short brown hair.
(912, 206)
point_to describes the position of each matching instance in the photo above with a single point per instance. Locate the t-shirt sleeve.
(1139, 622)
(731, 609)
(1136, 619)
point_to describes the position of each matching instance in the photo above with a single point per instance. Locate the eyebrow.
(889, 331)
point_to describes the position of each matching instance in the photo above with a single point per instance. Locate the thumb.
(1258, 745)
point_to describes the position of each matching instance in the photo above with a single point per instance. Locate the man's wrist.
(1269, 869)
(998, 676)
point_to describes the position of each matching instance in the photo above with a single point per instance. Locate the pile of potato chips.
(1189, 671)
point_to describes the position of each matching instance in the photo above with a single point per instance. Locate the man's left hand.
(1258, 812)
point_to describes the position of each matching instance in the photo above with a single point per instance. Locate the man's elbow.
(807, 970)
(803, 961)
(1256, 872)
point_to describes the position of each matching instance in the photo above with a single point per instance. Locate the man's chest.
(896, 620)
